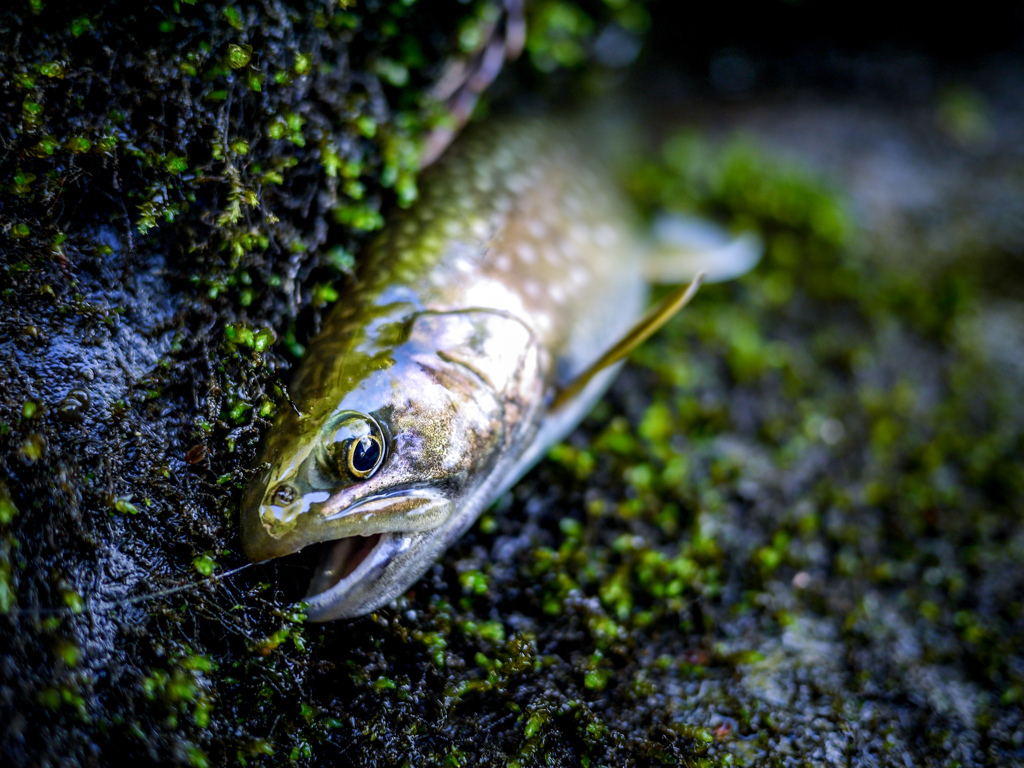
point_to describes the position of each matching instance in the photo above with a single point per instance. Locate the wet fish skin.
(512, 274)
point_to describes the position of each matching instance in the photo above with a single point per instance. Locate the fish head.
(397, 461)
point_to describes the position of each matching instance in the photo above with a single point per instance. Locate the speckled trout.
(482, 326)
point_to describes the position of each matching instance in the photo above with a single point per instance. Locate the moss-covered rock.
(179, 184)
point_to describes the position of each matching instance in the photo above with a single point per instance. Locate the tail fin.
(685, 246)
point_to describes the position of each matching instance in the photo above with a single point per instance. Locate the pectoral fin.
(656, 317)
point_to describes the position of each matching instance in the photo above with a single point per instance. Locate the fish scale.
(519, 224)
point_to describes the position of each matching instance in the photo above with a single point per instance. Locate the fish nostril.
(283, 495)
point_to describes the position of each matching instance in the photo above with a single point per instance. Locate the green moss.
(559, 33)
(72, 599)
(8, 582)
(360, 217)
(125, 506)
(183, 689)
(290, 629)
(56, 698)
(68, 652)
(32, 448)
(239, 55)
(204, 564)
(8, 510)
(964, 113)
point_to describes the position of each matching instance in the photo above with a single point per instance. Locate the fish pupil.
(365, 454)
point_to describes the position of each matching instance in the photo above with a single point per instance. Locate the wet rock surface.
(792, 534)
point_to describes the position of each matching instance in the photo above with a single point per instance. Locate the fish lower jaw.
(337, 571)
(340, 560)
(346, 583)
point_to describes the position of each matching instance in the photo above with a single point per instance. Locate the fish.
(480, 328)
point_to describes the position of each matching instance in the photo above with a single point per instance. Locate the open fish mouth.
(360, 571)
(342, 585)
(369, 551)
(340, 560)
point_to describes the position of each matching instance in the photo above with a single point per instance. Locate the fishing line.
(94, 608)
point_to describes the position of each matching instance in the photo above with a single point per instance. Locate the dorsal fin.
(656, 317)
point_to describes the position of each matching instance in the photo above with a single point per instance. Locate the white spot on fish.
(567, 249)
(484, 183)
(503, 204)
(606, 236)
(526, 253)
(579, 233)
(542, 321)
(517, 183)
(479, 228)
(504, 159)
(430, 243)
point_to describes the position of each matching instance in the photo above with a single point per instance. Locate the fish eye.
(364, 455)
(356, 447)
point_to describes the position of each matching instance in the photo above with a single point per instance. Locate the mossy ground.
(791, 535)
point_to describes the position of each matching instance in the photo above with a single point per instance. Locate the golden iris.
(357, 446)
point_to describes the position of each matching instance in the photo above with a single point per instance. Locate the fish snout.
(270, 515)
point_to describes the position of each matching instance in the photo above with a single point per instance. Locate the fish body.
(428, 391)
